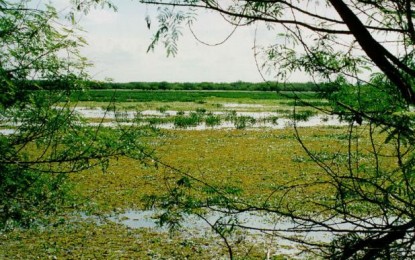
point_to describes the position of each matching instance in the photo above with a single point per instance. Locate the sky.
(118, 43)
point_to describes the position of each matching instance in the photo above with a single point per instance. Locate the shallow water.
(194, 226)
(262, 119)
(102, 113)
(7, 131)
(250, 221)
(267, 120)
(273, 228)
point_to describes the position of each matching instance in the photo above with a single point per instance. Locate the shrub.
(212, 120)
(182, 121)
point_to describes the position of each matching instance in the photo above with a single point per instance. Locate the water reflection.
(261, 228)
(270, 120)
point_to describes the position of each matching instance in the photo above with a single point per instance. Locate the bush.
(212, 120)
(182, 121)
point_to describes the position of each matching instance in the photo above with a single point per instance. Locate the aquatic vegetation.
(241, 122)
(163, 109)
(201, 110)
(158, 120)
(272, 119)
(307, 103)
(212, 120)
(182, 121)
(302, 115)
(122, 116)
(86, 239)
(231, 116)
(248, 159)
(250, 165)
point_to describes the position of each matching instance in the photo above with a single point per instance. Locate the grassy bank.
(182, 96)
(236, 86)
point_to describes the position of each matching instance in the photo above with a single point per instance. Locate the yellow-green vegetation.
(87, 240)
(257, 162)
(210, 104)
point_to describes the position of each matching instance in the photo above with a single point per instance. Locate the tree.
(40, 68)
(339, 43)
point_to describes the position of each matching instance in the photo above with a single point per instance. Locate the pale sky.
(118, 42)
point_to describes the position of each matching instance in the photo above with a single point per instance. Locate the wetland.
(247, 148)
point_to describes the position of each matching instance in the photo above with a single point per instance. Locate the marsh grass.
(163, 109)
(183, 121)
(303, 115)
(201, 110)
(212, 120)
(272, 119)
(231, 115)
(237, 158)
(307, 103)
(158, 120)
(210, 104)
(250, 165)
(241, 122)
(86, 239)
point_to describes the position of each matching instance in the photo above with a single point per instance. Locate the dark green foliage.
(50, 140)
(179, 96)
(377, 100)
(306, 103)
(237, 86)
(163, 109)
(183, 121)
(34, 162)
(373, 180)
(302, 115)
(241, 122)
(212, 120)
(28, 195)
(50, 144)
(201, 111)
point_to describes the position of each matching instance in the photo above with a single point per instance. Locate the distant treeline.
(102, 95)
(237, 86)
(198, 86)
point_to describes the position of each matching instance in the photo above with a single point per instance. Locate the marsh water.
(257, 228)
(254, 120)
(267, 229)
(271, 120)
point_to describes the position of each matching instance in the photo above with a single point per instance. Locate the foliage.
(239, 86)
(302, 115)
(339, 43)
(83, 238)
(177, 96)
(212, 120)
(242, 122)
(49, 140)
(183, 121)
